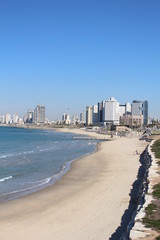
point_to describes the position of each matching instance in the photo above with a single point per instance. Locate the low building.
(131, 121)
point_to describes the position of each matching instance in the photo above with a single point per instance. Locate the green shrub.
(156, 192)
(156, 148)
(149, 209)
(150, 223)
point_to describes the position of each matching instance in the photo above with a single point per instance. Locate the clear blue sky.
(74, 53)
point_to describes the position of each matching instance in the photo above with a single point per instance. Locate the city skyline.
(99, 113)
(73, 54)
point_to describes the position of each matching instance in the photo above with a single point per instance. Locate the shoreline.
(87, 203)
(53, 179)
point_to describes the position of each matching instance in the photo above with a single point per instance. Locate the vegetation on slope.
(152, 218)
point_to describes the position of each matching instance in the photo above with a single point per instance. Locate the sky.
(69, 54)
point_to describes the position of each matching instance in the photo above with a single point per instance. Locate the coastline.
(52, 179)
(87, 203)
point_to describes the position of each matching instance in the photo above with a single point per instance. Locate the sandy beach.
(86, 204)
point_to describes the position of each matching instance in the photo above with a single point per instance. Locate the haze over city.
(69, 54)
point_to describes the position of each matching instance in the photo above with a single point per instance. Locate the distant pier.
(90, 138)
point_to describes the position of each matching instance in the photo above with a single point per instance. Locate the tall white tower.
(89, 116)
(111, 111)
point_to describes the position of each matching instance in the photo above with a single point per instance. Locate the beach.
(86, 203)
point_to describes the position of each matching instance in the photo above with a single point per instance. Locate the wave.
(8, 155)
(5, 179)
(44, 150)
(21, 187)
(45, 181)
(16, 154)
(4, 156)
(54, 146)
(28, 152)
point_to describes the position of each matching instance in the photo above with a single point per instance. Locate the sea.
(32, 159)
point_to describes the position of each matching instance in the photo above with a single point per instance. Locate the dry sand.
(86, 204)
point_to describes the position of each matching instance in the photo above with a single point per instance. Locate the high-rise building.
(100, 111)
(63, 117)
(145, 112)
(73, 119)
(15, 118)
(140, 108)
(137, 107)
(89, 115)
(82, 119)
(128, 108)
(122, 110)
(28, 118)
(66, 118)
(111, 113)
(8, 118)
(39, 114)
(2, 119)
(95, 114)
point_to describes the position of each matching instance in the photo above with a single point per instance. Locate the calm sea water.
(33, 159)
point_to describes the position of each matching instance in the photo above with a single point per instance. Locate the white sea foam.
(25, 152)
(8, 155)
(45, 181)
(16, 154)
(44, 149)
(4, 156)
(5, 179)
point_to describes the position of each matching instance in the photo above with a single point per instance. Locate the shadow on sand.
(137, 194)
